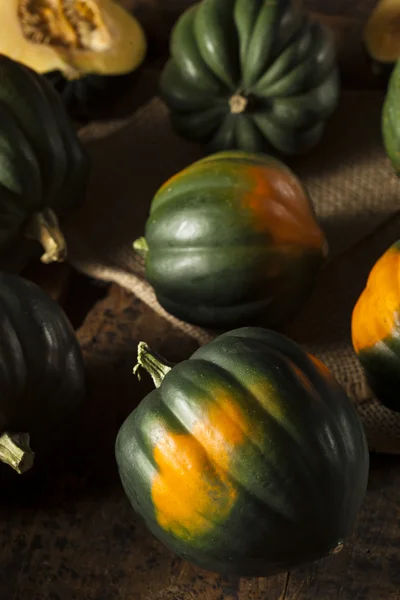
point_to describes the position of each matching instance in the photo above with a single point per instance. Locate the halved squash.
(382, 34)
(75, 37)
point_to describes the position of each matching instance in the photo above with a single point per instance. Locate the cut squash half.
(76, 37)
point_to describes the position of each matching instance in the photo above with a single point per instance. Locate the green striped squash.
(254, 75)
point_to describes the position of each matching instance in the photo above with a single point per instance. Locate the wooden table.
(70, 533)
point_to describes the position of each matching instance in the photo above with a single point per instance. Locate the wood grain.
(70, 534)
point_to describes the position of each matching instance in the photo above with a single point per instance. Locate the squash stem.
(44, 228)
(238, 104)
(16, 452)
(140, 246)
(154, 364)
(337, 548)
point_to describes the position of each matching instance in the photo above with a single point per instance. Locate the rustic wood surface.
(69, 533)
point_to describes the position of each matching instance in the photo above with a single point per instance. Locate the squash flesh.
(14, 45)
(126, 52)
(76, 37)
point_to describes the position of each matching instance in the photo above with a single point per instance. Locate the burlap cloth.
(355, 194)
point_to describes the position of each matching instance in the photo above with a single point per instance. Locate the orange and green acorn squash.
(43, 166)
(253, 75)
(230, 238)
(42, 381)
(376, 328)
(248, 459)
(382, 35)
(391, 119)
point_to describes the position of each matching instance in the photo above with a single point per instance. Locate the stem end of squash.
(337, 548)
(140, 246)
(238, 104)
(44, 228)
(155, 366)
(16, 452)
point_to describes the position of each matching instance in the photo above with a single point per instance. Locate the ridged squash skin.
(376, 328)
(42, 381)
(43, 166)
(248, 459)
(253, 75)
(391, 119)
(230, 238)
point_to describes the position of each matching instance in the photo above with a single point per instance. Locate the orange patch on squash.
(281, 207)
(192, 489)
(302, 377)
(376, 313)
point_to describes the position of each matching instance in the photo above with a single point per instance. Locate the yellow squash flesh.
(77, 37)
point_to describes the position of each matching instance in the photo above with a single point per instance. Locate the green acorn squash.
(43, 165)
(253, 75)
(375, 327)
(232, 237)
(391, 119)
(382, 35)
(248, 459)
(41, 373)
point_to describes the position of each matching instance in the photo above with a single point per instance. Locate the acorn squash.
(391, 119)
(41, 373)
(232, 237)
(375, 328)
(382, 35)
(43, 166)
(253, 75)
(248, 459)
(75, 37)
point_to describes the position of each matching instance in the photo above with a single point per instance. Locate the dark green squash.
(43, 165)
(375, 328)
(253, 75)
(41, 373)
(230, 238)
(391, 119)
(248, 459)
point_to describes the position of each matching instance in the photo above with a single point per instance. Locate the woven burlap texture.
(353, 189)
